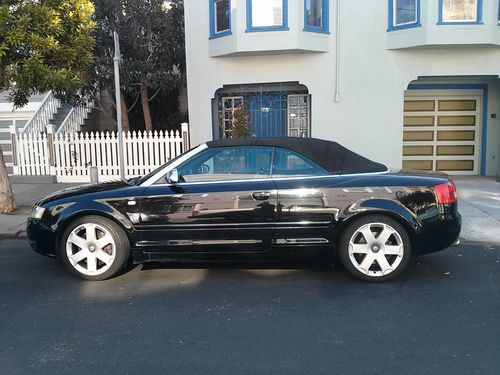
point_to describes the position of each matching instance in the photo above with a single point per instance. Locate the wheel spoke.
(368, 235)
(359, 248)
(383, 263)
(367, 262)
(104, 257)
(104, 241)
(79, 256)
(385, 234)
(77, 240)
(91, 232)
(393, 249)
(91, 263)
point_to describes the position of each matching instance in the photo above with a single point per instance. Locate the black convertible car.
(252, 199)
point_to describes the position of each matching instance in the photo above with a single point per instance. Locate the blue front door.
(266, 115)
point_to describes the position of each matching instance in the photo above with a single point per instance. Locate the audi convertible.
(252, 199)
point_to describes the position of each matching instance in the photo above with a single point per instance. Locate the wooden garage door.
(442, 133)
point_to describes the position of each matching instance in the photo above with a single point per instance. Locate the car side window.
(289, 163)
(227, 163)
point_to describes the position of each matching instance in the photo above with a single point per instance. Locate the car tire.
(94, 248)
(375, 248)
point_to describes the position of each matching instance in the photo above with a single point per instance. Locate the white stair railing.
(42, 116)
(75, 119)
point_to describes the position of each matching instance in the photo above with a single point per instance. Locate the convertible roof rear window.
(331, 156)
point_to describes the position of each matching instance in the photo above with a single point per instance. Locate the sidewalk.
(479, 204)
(26, 195)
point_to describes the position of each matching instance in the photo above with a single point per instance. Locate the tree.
(44, 45)
(152, 46)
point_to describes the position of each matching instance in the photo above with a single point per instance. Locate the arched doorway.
(273, 109)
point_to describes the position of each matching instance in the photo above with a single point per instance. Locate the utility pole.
(117, 60)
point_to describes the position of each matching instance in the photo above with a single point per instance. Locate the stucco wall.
(368, 118)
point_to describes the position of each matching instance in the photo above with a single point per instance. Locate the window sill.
(441, 23)
(221, 34)
(266, 29)
(318, 30)
(404, 27)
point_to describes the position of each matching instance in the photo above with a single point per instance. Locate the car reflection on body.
(253, 199)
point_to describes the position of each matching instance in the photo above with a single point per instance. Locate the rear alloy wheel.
(94, 248)
(375, 248)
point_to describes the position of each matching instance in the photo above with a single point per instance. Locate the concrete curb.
(19, 235)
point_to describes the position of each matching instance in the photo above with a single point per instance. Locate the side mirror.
(172, 176)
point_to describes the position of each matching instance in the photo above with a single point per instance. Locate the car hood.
(83, 190)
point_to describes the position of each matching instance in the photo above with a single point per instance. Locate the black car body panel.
(260, 219)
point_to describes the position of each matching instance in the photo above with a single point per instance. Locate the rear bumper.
(439, 233)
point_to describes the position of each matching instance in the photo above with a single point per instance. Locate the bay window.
(460, 11)
(404, 14)
(267, 15)
(220, 18)
(316, 16)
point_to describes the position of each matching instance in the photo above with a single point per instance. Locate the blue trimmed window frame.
(325, 18)
(213, 33)
(392, 21)
(251, 29)
(478, 21)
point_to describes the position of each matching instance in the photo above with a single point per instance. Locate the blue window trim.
(478, 21)
(393, 27)
(251, 29)
(325, 19)
(466, 86)
(213, 33)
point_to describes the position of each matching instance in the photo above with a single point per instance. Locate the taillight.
(446, 193)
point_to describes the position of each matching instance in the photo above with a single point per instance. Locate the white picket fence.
(70, 156)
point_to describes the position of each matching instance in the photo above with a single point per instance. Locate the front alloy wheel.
(94, 248)
(375, 248)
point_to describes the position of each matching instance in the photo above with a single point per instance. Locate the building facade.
(409, 83)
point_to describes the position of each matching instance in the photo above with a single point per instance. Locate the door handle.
(261, 195)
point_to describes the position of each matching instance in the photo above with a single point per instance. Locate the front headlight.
(37, 212)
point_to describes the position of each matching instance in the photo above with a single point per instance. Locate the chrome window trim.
(188, 155)
(274, 179)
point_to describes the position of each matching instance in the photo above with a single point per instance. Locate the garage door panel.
(420, 165)
(442, 133)
(457, 105)
(419, 121)
(455, 150)
(418, 136)
(455, 165)
(456, 120)
(458, 135)
(420, 105)
(418, 150)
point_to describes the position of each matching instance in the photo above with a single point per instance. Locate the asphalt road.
(442, 316)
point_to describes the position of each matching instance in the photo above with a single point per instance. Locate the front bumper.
(41, 237)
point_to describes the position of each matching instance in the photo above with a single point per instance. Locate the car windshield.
(152, 173)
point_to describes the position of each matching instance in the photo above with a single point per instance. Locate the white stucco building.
(411, 83)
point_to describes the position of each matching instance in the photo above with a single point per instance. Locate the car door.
(225, 201)
(306, 207)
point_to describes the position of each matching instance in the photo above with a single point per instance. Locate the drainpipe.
(337, 54)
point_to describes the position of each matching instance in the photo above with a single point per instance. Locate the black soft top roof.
(332, 156)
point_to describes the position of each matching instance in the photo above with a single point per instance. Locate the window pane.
(406, 11)
(222, 15)
(314, 12)
(289, 163)
(267, 13)
(228, 163)
(459, 10)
